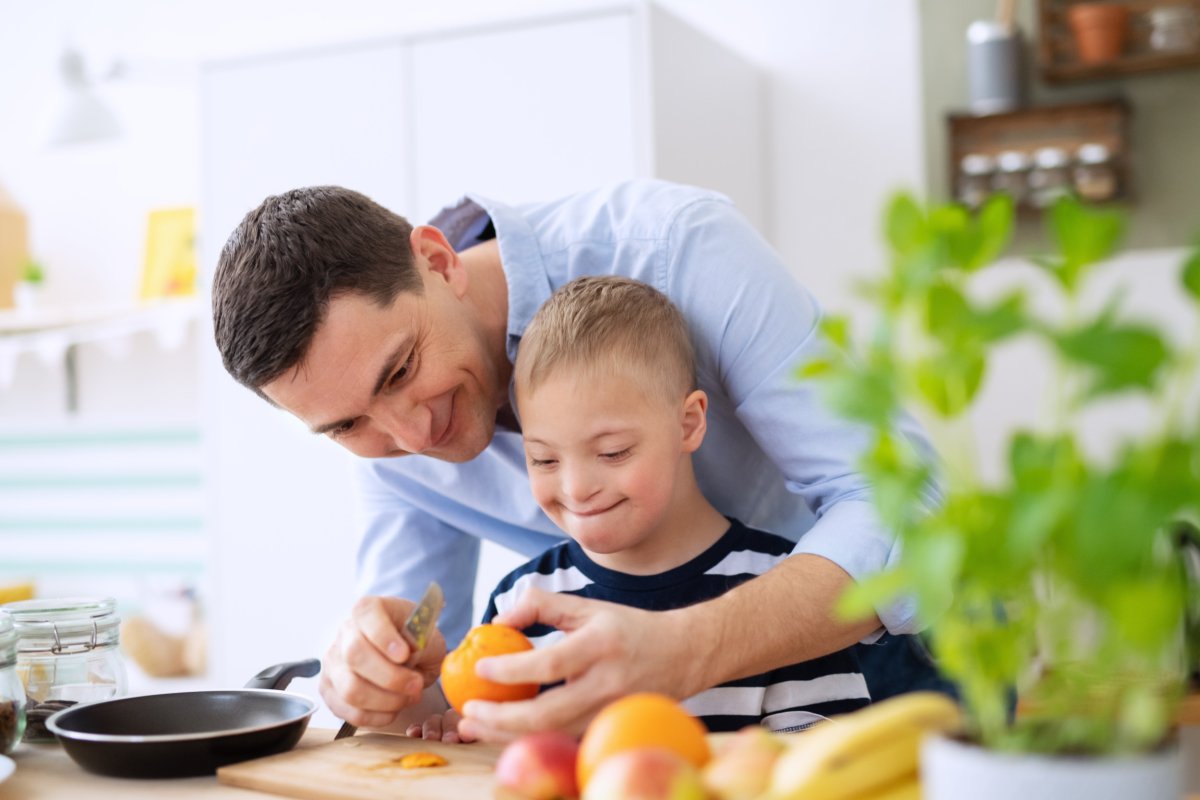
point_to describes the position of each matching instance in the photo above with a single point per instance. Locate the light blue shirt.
(774, 456)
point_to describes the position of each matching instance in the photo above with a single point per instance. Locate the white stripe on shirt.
(745, 562)
(561, 580)
(839, 686)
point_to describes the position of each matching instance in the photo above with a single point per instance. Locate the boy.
(604, 388)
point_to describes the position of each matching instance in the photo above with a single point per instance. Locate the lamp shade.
(83, 116)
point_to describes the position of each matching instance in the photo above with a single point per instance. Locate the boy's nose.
(578, 483)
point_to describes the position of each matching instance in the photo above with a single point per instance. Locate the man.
(398, 343)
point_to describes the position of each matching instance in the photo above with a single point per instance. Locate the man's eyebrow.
(384, 374)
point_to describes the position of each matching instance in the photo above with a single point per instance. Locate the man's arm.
(613, 650)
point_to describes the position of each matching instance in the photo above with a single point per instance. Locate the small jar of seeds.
(12, 693)
(67, 653)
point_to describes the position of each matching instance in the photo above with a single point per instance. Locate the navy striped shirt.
(786, 699)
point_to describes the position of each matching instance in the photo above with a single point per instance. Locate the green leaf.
(904, 224)
(1120, 356)
(860, 599)
(837, 330)
(949, 381)
(1083, 235)
(995, 226)
(1003, 319)
(1191, 275)
(816, 368)
(947, 315)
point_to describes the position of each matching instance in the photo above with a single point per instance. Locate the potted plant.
(1058, 581)
(29, 287)
(1099, 29)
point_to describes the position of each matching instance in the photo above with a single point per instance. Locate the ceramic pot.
(954, 770)
(1100, 30)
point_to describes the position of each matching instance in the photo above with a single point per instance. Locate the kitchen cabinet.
(525, 110)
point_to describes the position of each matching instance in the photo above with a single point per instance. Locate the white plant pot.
(953, 770)
(26, 296)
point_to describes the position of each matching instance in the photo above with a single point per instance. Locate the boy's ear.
(695, 420)
(432, 251)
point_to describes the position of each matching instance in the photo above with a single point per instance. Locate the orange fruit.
(459, 681)
(640, 720)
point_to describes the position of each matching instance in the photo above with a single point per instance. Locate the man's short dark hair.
(287, 259)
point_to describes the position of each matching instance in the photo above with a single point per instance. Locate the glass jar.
(1174, 29)
(1012, 175)
(1050, 177)
(67, 653)
(974, 179)
(12, 693)
(1095, 175)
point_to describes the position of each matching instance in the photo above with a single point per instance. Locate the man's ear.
(695, 420)
(432, 251)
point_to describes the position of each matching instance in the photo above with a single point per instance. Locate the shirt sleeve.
(404, 548)
(753, 325)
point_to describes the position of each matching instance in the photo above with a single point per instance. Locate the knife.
(415, 631)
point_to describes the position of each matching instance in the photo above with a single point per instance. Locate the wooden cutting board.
(363, 768)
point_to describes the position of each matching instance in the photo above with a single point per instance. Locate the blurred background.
(135, 134)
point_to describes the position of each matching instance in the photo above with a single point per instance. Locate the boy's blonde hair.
(608, 323)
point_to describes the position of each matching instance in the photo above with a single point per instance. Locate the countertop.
(46, 772)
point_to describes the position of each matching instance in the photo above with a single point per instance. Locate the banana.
(862, 752)
(908, 790)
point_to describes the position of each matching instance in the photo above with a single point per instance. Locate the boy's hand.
(441, 728)
(363, 681)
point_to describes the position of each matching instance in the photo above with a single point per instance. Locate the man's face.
(414, 377)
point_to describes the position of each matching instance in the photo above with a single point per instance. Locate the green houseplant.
(1058, 580)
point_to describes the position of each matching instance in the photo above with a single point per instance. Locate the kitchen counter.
(46, 772)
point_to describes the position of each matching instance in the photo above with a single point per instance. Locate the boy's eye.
(540, 462)
(616, 456)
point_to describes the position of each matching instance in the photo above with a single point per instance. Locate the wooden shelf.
(1058, 61)
(1065, 126)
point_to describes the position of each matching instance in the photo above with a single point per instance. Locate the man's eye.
(402, 373)
(617, 456)
(342, 430)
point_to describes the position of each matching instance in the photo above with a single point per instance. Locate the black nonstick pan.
(188, 733)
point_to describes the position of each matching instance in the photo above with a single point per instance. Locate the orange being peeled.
(637, 721)
(459, 681)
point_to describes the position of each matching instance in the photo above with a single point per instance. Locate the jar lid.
(1092, 153)
(1050, 157)
(64, 624)
(976, 164)
(1163, 15)
(1012, 161)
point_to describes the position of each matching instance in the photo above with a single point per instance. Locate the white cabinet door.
(524, 113)
(283, 515)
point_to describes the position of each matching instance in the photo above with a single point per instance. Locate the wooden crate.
(1058, 61)
(1065, 126)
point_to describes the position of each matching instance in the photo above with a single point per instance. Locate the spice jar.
(974, 179)
(12, 694)
(1012, 174)
(1174, 29)
(1095, 175)
(67, 653)
(1050, 177)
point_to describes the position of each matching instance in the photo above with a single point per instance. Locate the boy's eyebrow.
(600, 435)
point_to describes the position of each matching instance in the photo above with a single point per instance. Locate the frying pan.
(188, 733)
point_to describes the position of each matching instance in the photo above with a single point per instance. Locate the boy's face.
(606, 458)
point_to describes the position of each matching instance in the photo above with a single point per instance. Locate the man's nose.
(409, 426)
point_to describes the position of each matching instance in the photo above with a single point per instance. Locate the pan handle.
(278, 676)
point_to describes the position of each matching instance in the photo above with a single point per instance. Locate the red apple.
(741, 769)
(646, 773)
(539, 766)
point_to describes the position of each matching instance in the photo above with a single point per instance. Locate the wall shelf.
(1058, 61)
(53, 334)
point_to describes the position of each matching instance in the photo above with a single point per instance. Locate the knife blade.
(415, 631)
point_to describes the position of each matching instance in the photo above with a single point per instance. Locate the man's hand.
(363, 680)
(610, 650)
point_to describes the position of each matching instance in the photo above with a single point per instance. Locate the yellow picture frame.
(170, 260)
